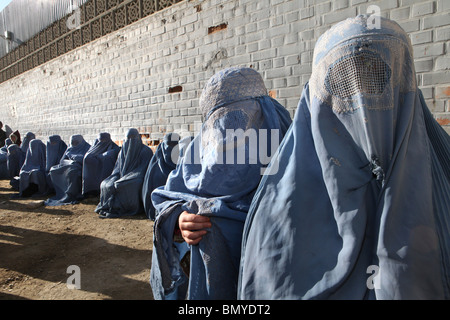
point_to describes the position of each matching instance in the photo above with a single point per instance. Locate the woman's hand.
(192, 227)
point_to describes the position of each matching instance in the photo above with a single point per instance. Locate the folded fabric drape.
(358, 206)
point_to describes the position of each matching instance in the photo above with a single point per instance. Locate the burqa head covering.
(66, 176)
(353, 211)
(56, 148)
(121, 192)
(98, 163)
(8, 142)
(26, 141)
(216, 177)
(32, 175)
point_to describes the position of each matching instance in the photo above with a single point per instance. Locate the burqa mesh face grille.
(234, 119)
(363, 72)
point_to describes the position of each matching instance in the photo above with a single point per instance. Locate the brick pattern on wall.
(149, 75)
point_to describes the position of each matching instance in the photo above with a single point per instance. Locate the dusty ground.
(37, 245)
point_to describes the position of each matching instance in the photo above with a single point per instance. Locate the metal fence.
(87, 21)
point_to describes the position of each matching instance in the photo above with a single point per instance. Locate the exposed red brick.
(443, 121)
(217, 28)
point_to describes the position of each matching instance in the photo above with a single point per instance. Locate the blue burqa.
(121, 192)
(216, 177)
(98, 163)
(163, 162)
(4, 173)
(56, 148)
(16, 158)
(32, 180)
(359, 205)
(66, 176)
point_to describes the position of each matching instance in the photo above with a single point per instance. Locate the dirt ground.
(38, 244)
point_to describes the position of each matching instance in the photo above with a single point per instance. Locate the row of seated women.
(70, 173)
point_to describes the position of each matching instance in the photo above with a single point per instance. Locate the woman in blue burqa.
(32, 181)
(200, 212)
(359, 205)
(163, 162)
(98, 163)
(4, 173)
(121, 192)
(66, 176)
(55, 150)
(16, 158)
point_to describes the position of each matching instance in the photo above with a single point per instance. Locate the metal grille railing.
(96, 19)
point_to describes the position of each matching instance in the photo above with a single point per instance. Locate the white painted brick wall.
(122, 80)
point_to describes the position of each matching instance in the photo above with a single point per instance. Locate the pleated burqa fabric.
(55, 150)
(66, 176)
(4, 173)
(121, 192)
(163, 162)
(216, 177)
(32, 180)
(16, 158)
(358, 206)
(98, 163)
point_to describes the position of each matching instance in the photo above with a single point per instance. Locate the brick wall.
(150, 74)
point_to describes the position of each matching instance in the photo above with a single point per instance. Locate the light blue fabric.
(66, 176)
(354, 210)
(121, 192)
(98, 163)
(32, 180)
(163, 162)
(4, 173)
(205, 183)
(16, 158)
(55, 150)
(26, 141)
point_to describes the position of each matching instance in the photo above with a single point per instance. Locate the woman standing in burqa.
(208, 195)
(359, 205)
(121, 192)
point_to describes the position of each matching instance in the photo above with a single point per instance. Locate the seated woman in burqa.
(121, 192)
(32, 180)
(66, 176)
(4, 173)
(163, 162)
(16, 158)
(98, 164)
(358, 207)
(55, 150)
(200, 211)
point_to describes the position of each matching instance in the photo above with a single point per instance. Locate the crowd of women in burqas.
(69, 173)
(354, 203)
